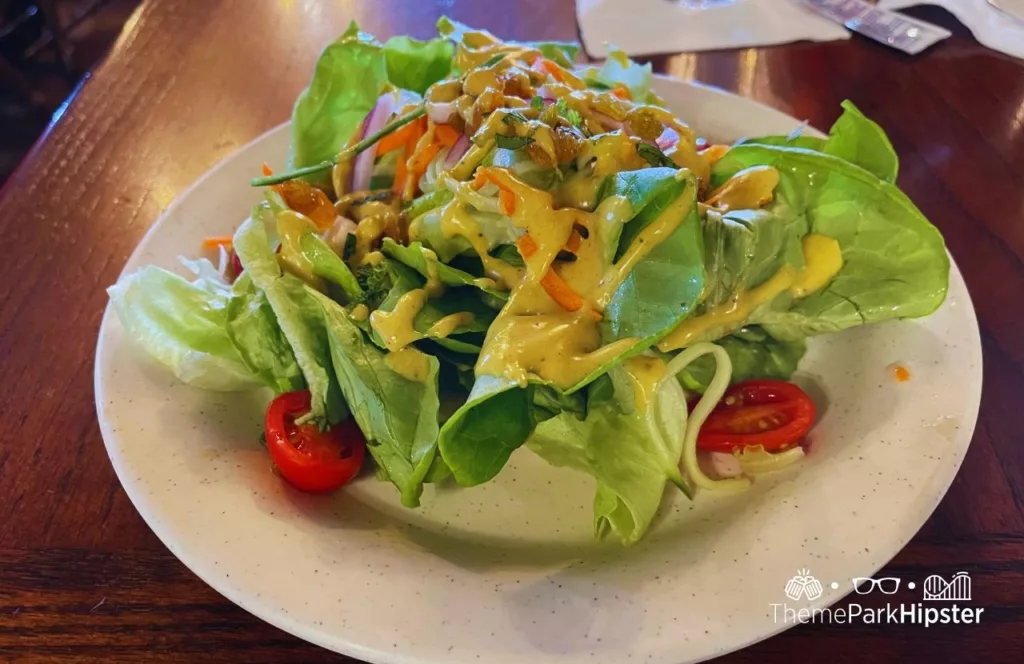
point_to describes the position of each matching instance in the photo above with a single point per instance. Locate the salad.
(476, 246)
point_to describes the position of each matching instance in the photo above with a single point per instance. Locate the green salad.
(478, 246)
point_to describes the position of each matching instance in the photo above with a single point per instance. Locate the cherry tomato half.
(312, 460)
(770, 413)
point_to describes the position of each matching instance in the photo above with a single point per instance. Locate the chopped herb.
(575, 118)
(514, 116)
(562, 107)
(537, 103)
(494, 59)
(653, 156)
(512, 142)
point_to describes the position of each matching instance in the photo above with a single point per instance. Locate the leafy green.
(253, 329)
(397, 415)
(853, 137)
(413, 256)
(512, 142)
(427, 202)
(183, 325)
(477, 441)
(894, 262)
(329, 265)
(649, 187)
(860, 141)
(653, 155)
(349, 77)
(416, 65)
(617, 70)
(743, 248)
(298, 316)
(564, 53)
(754, 354)
(405, 279)
(615, 444)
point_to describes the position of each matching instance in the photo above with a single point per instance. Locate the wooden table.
(81, 576)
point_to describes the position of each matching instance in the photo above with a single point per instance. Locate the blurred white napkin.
(644, 27)
(989, 26)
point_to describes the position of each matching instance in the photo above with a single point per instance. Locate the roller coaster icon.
(956, 589)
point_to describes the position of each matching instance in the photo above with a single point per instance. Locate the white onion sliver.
(460, 148)
(375, 121)
(440, 113)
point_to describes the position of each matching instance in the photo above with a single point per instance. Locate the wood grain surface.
(82, 578)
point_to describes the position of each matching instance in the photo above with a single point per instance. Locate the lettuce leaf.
(252, 327)
(895, 263)
(616, 446)
(754, 354)
(416, 65)
(398, 416)
(405, 279)
(183, 325)
(853, 138)
(617, 70)
(298, 316)
(412, 256)
(349, 77)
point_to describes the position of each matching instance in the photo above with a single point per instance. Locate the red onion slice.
(460, 148)
(668, 138)
(362, 169)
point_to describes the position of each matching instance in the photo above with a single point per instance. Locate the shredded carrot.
(553, 69)
(622, 92)
(574, 241)
(527, 246)
(225, 241)
(446, 135)
(410, 133)
(900, 373)
(552, 284)
(560, 292)
(267, 170)
(507, 202)
(713, 153)
(400, 174)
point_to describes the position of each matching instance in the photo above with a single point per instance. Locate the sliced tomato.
(309, 459)
(771, 413)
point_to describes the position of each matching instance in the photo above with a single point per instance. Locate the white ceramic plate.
(508, 571)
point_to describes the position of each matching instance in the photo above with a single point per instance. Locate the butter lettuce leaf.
(183, 325)
(477, 441)
(895, 263)
(298, 316)
(397, 415)
(754, 354)
(416, 65)
(349, 77)
(616, 445)
(562, 52)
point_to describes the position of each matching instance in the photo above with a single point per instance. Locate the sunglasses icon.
(887, 586)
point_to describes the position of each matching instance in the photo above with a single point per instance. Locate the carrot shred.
(446, 135)
(423, 158)
(402, 136)
(560, 292)
(622, 92)
(507, 202)
(552, 284)
(527, 246)
(553, 70)
(215, 241)
(267, 170)
(402, 171)
(574, 241)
